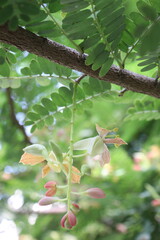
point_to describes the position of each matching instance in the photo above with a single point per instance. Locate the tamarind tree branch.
(56, 52)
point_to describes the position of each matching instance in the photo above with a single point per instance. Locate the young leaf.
(105, 157)
(36, 149)
(57, 151)
(53, 162)
(31, 159)
(76, 174)
(102, 131)
(45, 170)
(86, 144)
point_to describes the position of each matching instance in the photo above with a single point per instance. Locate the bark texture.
(43, 47)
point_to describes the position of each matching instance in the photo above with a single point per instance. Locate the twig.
(80, 78)
(13, 115)
(156, 80)
(121, 93)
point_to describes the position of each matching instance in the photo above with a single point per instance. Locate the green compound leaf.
(105, 67)
(148, 11)
(33, 116)
(40, 124)
(54, 6)
(144, 110)
(155, 4)
(80, 94)
(2, 60)
(67, 113)
(26, 71)
(33, 128)
(11, 57)
(40, 110)
(49, 105)
(5, 13)
(5, 69)
(43, 81)
(87, 89)
(59, 107)
(49, 120)
(58, 99)
(96, 51)
(149, 67)
(151, 36)
(45, 28)
(15, 83)
(28, 123)
(35, 67)
(100, 32)
(148, 62)
(66, 93)
(28, 7)
(74, 5)
(13, 23)
(95, 84)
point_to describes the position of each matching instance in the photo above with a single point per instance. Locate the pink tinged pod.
(52, 189)
(155, 202)
(50, 184)
(46, 201)
(51, 192)
(72, 219)
(75, 208)
(63, 220)
(95, 193)
(68, 220)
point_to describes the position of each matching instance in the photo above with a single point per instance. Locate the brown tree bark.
(28, 41)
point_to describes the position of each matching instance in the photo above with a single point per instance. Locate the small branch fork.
(122, 92)
(13, 115)
(80, 78)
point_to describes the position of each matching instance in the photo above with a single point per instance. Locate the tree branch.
(28, 41)
(13, 117)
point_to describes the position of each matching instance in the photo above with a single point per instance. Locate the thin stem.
(122, 92)
(80, 155)
(36, 77)
(80, 78)
(78, 193)
(61, 200)
(61, 29)
(61, 187)
(71, 145)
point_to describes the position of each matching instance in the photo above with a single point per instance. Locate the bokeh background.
(131, 181)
